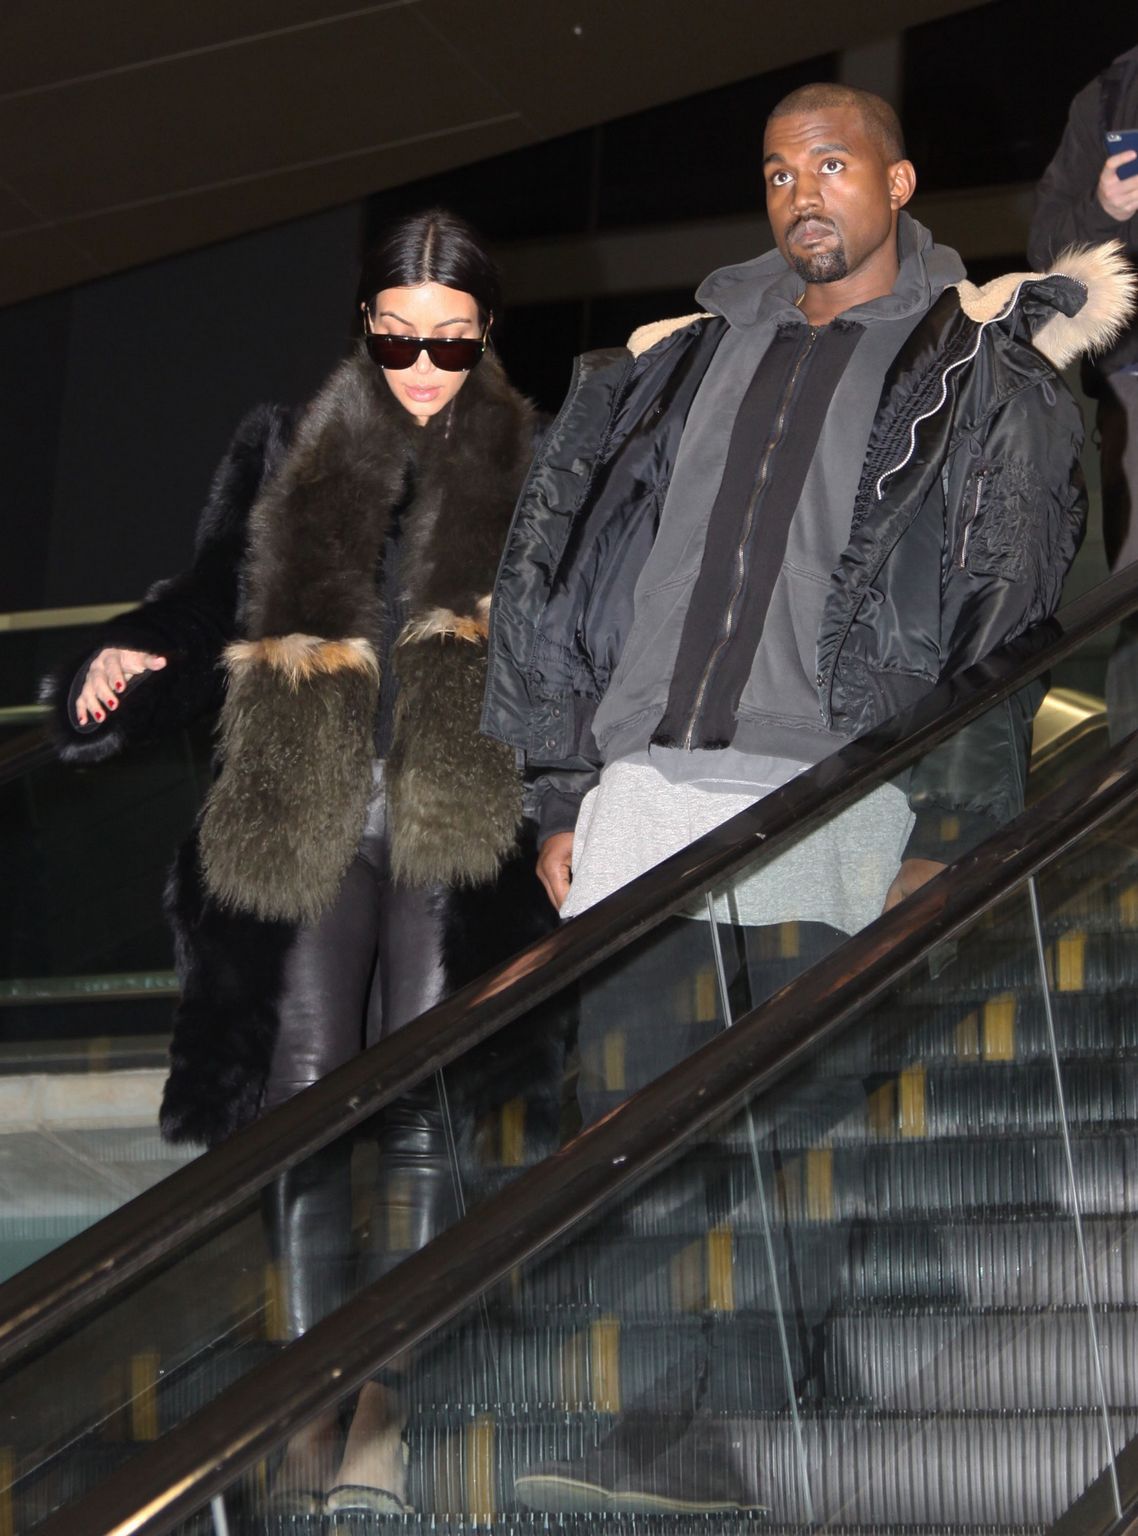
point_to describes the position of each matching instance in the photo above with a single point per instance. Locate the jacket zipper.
(748, 522)
(981, 476)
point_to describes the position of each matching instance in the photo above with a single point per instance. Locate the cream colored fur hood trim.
(443, 624)
(302, 657)
(646, 336)
(1110, 285)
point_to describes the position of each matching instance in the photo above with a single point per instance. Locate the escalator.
(867, 1259)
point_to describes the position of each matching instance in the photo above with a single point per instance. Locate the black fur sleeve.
(189, 618)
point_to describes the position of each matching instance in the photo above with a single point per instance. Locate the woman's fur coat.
(279, 622)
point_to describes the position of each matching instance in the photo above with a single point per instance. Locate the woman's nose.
(423, 362)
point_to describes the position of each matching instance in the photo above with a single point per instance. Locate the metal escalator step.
(954, 1471)
(934, 1101)
(979, 1264)
(993, 1027)
(902, 1180)
(950, 1178)
(921, 1362)
(958, 1469)
(604, 1363)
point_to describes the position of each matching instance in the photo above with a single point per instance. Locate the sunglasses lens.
(451, 356)
(393, 351)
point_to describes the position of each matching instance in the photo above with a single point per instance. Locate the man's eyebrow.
(815, 149)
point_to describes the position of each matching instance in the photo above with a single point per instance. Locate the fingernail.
(119, 687)
(98, 714)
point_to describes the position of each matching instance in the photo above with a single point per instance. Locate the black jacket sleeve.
(189, 619)
(1015, 520)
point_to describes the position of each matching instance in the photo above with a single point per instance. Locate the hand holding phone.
(1117, 189)
(1117, 141)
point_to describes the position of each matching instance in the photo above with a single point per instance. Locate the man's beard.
(822, 266)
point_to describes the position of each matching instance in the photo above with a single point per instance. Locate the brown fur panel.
(455, 796)
(470, 467)
(299, 658)
(284, 818)
(317, 529)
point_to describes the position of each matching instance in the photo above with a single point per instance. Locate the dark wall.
(120, 396)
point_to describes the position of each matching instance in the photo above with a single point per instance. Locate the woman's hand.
(107, 677)
(555, 866)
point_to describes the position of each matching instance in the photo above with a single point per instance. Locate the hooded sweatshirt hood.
(746, 292)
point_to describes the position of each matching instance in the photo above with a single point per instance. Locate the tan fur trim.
(1102, 270)
(303, 657)
(442, 624)
(646, 336)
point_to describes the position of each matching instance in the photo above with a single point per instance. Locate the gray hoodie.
(779, 713)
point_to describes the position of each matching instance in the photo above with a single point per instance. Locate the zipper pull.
(981, 476)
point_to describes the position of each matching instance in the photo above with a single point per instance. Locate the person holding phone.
(1089, 194)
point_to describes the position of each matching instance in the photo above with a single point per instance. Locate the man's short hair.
(881, 122)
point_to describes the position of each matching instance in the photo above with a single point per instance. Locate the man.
(752, 536)
(1090, 194)
(780, 522)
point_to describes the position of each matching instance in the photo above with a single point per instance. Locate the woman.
(342, 576)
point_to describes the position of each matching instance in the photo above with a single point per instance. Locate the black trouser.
(370, 965)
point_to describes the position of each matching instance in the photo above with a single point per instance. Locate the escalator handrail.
(202, 1456)
(154, 1227)
(31, 749)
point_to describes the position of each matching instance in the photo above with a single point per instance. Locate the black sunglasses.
(453, 354)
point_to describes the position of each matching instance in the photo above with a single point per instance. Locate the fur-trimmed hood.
(282, 821)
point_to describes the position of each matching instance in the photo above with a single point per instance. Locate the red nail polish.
(119, 687)
(98, 714)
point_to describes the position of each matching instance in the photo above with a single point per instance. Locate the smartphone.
(1118, 140)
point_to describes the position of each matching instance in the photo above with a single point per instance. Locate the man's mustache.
(792, 229)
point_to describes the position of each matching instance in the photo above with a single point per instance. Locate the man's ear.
(902, 183)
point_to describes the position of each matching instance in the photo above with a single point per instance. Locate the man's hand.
(909, 878)
(1118, 197)
(107, 676)
(555, 866)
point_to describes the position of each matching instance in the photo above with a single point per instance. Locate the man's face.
(831, 194)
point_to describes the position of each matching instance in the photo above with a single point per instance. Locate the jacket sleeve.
(1067, 212)
(553, 798)
(189, 619)
(1016, 513)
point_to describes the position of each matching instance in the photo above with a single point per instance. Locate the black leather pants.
(370, 965)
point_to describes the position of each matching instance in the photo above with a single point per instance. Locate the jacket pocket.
(1004, 511)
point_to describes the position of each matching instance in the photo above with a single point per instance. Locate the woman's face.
(429, 310)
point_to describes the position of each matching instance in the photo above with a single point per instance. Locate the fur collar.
(318, 531)
(1088, 298)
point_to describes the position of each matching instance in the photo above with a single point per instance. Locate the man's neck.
(823, 302)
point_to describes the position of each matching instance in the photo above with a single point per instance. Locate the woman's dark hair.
(432, 247)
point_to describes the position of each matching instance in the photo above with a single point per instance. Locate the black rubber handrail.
(31, 749)
(202, 1456)
(156, 1226)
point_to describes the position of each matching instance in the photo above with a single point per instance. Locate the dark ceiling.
(133, 129)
